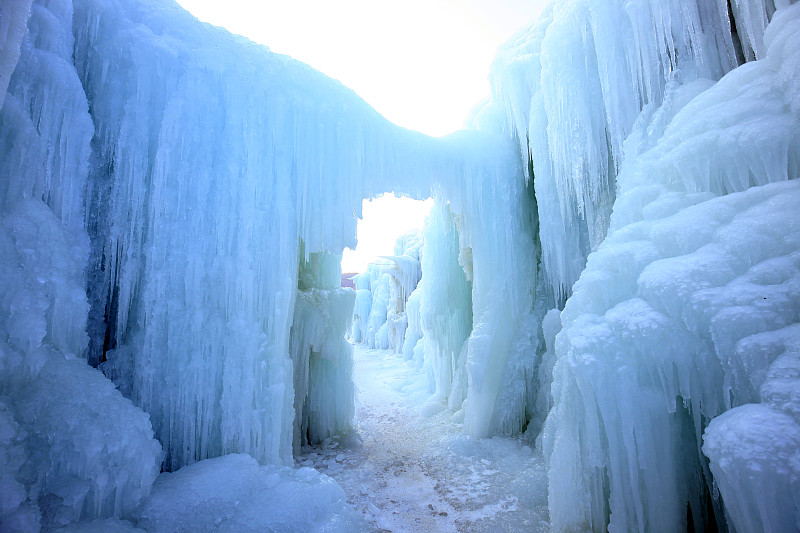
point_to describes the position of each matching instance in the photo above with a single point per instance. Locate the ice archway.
(216, 170)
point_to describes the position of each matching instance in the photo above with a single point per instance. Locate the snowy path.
(407, 467)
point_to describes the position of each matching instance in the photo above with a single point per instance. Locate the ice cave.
(603, 308)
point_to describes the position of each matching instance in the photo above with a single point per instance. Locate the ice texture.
(383, 291)
(233, 493)
(643, 368)
(700, 254)
(186, 175)
(198, 132)
(611, 266)
(13, 27)
(322, 358)
(72, 446)
(572, 87)
(105, 525)
(94, 451)
(445, 307)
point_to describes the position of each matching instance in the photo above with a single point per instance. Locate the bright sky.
(423, 64)
(384, 219)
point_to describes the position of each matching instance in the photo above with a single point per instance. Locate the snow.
(611, 274)
(233, 493)
(408, 467)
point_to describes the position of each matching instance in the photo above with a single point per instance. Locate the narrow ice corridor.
(407, 466)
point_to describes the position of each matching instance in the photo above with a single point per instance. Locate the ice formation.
(171, 163)
(71, 446)
(383, 292)
(680, 312)
(611, 267)
(322, 359)
(234, 493)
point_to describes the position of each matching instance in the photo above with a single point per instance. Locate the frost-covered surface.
(408, 467)
(573, 86)
(201, 133)
(233, 493)
(71, 447)
(679, 312)
(681, 331)
(444, 308)
(322, 359)
(174, 200)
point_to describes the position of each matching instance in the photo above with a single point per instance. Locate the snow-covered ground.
(408, 467)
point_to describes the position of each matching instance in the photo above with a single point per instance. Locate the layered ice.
(322, 358)
(667, 324)
(445, 307)
(198, 132)
(643, 367)
(71, 447)
(174, 201)
(13, 27)
(572, 88)
(173, 180)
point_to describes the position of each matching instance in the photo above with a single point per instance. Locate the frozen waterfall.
(611, 270)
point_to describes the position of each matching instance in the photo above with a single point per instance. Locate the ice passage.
(610, 275)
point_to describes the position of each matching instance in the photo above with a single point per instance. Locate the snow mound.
(233, 493)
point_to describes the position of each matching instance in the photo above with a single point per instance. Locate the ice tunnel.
(174, 201)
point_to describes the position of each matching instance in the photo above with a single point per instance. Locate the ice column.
(322, 359)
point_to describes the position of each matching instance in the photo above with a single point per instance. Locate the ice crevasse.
(174, 201)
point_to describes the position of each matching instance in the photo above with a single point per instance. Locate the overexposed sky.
(423, 64)
(384, 219)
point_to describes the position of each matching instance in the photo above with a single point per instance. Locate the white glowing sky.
(423, 64)
(384, 219)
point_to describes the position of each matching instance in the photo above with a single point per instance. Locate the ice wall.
(159, 176)
(199, 133)
(572, 89)
(471, 319)
(653, 135)
(188, 164)
(13, 27)
(383, 292)
(71, 447)
(445, 307)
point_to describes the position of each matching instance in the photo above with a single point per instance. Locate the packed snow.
(597, 330)
(407, 466)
